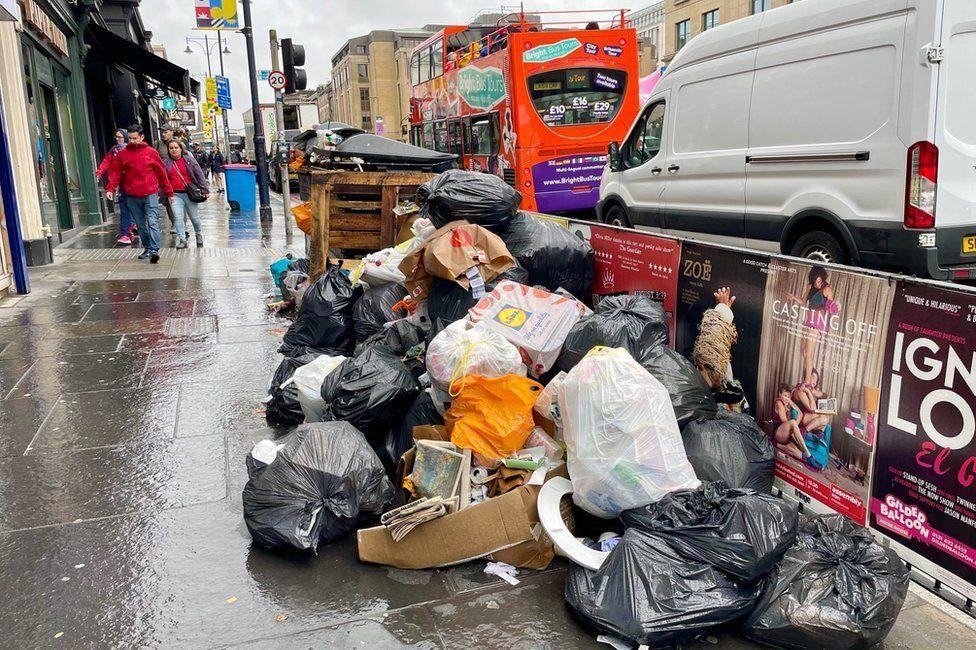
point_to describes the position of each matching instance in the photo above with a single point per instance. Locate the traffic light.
(293, 55)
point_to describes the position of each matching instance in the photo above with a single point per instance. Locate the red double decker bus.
(533, 101)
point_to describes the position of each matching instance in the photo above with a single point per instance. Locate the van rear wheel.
(616, 216)
(820, 246)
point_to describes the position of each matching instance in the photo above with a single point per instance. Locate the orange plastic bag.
(492, 416)
(303, 217)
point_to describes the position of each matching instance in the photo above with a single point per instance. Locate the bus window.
(577, 95)
(454, 136)
(484, 135)
(437, 60)
(415, 137)
(414, 70)
(425, 65)
(440, 136)
(428, 136)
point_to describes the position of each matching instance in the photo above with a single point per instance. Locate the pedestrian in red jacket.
(126, 227)
(139, 171)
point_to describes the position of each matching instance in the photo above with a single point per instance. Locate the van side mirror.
(613, 156)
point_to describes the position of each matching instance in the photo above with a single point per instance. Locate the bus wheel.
(820, 246)
(616, 216)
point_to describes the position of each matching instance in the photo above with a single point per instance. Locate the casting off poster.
(633, 263)
(819, 386)
(704, 272)
(924, 494)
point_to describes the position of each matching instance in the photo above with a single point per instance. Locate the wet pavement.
(129, 396)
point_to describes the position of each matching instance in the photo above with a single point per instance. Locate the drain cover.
(191, 326)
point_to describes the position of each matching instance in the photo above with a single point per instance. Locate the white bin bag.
(623, 444)
(308, 379)
(464, 348)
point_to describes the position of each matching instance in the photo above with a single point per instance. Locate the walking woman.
(217, 163)
(187, 179)
(126, 227)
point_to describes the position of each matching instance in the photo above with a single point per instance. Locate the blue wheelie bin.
(242, 184)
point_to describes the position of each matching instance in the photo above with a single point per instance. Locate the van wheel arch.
(609, 205)
(810, 221)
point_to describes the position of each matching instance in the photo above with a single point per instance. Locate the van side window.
(645, 140)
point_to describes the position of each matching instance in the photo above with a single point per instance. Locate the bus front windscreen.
(577, 95)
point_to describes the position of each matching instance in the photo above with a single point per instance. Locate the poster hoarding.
(819, 380)
(924, 497)
(634, 263)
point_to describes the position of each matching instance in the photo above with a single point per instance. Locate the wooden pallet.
(353, 211)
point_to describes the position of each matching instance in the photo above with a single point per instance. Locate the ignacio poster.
(633, 263)
(705, 271)
(924, 495)
(819, 386)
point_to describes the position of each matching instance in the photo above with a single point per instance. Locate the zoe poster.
(924, 495)
(818, 394)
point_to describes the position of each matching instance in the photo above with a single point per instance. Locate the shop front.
(57, 119)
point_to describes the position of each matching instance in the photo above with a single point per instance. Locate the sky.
(322, 26)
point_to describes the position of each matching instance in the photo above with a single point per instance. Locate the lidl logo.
(551, 51)
(512, 317)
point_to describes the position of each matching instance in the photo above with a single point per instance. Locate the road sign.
(277, 79)
(223, 92)
(169, 104)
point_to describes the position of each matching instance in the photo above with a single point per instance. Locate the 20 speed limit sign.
(277, 79)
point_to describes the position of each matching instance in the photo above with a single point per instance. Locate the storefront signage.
(481, 88)
(216, 14)
(44, 27)
(552, 51)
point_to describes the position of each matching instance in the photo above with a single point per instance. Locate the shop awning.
(140, 61)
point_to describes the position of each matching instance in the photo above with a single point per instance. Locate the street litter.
(315, 489)
(836, 588)
(463, 402)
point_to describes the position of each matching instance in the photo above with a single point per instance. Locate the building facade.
(651, 35)
(683, 19)
(370, 86)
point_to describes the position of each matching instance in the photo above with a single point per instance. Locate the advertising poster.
(818, 392)
(633, 263)
(703, 272)
(924, 495)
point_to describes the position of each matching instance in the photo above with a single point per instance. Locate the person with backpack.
(217, 163)
(138, 171)
(189, 188)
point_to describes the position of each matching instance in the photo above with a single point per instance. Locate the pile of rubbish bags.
(440, 386)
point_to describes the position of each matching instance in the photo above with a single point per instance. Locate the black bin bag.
(647, 593)
(371, 391)
(743, 533)
(375, 308)
(399, 440)
(635, 323)
(553, 256)
(319, 486)
(284, 407)
(690, 396)
(476, 197)
(731, 448)
(835, 588)
(324, 321)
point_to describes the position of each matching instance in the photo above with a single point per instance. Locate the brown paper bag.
(450, 252)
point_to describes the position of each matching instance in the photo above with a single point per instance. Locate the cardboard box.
(506, 527)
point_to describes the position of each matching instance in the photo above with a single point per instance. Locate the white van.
(838, 130)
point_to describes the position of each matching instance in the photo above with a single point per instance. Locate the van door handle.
(673, 168)
(655, 170)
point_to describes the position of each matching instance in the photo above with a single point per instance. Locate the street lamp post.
(207, 45)
(260, 153)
